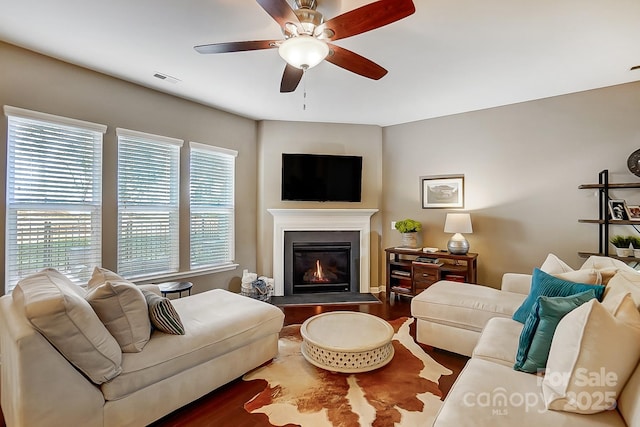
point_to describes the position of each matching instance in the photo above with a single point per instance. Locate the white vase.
(410, 240)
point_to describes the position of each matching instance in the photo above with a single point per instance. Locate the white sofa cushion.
(463, 305)
(592, 355)
(498, 342)
(123, 310)
(216, 322)
(56, 307)
(493, 395)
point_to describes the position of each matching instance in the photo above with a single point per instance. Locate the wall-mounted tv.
(321, 177)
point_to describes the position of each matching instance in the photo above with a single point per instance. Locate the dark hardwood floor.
(224, 407)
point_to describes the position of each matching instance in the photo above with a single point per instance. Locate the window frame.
(200, 208)
(172, 265)
(91, 135)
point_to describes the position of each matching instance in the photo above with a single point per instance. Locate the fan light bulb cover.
(303, 51)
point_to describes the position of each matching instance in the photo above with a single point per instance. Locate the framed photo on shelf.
(443, 191)
(633, 211)
(618, 210)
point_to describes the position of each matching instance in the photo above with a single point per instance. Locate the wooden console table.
(408, 275)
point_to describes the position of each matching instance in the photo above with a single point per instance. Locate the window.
(148, 204)
(54, 195)
(211, 198)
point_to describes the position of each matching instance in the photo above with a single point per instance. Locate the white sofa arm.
(516, 282)
(39, 386)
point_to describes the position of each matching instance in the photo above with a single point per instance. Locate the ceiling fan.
(307, 36)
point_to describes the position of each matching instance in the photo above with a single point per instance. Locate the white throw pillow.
(592, 355)
(589, 277)
(554, 265)
(622, 283)
(607, 267)
(102, 275)
(122, 308)
(605, 262)
(56, 307)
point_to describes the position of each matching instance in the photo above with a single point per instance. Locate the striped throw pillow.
(162, 314)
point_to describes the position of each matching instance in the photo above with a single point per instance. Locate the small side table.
(175, 287)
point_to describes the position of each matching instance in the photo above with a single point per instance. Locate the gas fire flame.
(318, 275)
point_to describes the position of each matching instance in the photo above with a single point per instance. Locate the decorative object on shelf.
(623, 245)
(618, 209)
(635, 244)
(409, 229)
(458, 223)
(443, 191)
(633, 211)
(633, 163)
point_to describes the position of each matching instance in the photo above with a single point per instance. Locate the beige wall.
(36, 82)
(522, 165)
(275, 138)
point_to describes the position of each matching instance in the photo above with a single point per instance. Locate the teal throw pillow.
(537, 334)
(551, 286)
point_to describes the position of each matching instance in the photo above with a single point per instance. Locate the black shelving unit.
(604, 221)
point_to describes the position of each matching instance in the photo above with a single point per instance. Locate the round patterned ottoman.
(346, 341)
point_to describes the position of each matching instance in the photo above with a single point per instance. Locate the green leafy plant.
(635, 242)
(408, 226)
(622, 241)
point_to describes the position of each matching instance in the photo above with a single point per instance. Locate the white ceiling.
(450, 57)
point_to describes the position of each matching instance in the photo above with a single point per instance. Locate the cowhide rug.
(402, 393)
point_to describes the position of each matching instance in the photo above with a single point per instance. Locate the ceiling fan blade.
(355, 63)
(236, 46)
(290, 79)
(280, 11)
(368, 17)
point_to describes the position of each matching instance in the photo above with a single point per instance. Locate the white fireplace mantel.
(321, 220)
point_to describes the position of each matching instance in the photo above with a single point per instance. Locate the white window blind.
(212, 178)
(148, 204)
(54, 195)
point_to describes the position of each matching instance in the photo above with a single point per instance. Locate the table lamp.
(458, 223)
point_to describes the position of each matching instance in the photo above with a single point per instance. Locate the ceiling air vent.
(166, 77)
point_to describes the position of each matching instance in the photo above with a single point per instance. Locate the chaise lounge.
(61, 366)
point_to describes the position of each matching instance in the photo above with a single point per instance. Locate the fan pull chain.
(304, 90)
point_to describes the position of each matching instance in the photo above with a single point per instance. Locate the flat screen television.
(321, 177)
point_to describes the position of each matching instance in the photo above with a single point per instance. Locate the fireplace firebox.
(321, 261)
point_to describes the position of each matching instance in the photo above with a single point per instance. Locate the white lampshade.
(303, 51)
(458, 223)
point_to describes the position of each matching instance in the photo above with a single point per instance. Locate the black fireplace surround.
(321, 261)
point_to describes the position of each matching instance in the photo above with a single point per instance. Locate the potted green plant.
(409, 229)
(622, 244)
(635, 244)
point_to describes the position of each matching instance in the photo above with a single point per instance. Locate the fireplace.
(321, 261)
(323, 220)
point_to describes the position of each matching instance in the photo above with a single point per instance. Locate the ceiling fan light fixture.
(303, 51)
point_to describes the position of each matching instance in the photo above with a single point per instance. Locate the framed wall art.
(442, 191)
(633, 211)
(618, 209)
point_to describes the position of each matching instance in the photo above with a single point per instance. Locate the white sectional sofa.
(225, 336)
(477, 321)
